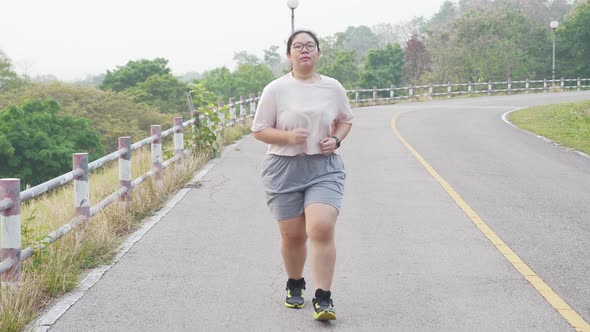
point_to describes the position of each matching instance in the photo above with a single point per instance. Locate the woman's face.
(304, 52)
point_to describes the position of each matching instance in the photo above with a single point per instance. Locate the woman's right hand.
(298, 136)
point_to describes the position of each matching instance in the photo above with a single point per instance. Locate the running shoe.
(295, 290)
(323, 305)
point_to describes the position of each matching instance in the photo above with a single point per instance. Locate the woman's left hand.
(328, 145)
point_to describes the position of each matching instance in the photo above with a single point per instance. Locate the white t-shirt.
(287, 103)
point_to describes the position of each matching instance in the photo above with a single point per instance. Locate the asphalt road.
(409, 258)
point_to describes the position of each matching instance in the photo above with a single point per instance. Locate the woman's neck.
(309, 76)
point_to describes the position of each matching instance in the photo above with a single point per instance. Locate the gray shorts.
(292, 183)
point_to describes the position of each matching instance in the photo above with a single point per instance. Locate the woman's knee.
(321, 232)
(294, 238)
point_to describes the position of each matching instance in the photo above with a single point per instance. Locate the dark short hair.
(294, 34)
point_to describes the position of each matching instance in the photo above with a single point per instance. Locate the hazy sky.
(73, 38)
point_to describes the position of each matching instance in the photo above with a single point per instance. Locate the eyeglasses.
(299, 46)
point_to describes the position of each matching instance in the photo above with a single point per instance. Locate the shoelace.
(326, 303)
(296, 291)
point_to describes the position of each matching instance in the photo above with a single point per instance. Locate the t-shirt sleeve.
(266, 111)
(344, 111)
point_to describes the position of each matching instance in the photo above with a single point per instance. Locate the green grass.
(567, 124)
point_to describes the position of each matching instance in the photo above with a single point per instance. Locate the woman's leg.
(293, 248)
(320, 223)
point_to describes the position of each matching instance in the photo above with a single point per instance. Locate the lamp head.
(554, 25)
(292, 3)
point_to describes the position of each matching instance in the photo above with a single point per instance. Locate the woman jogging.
(303, 117)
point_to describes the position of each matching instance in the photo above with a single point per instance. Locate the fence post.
(429, 91)
(544, 85)
(489, 87)
(526, 86)
(11, 233)
(156, 130)
(220, 106)
(391, 92)
(242, 109)
(81, 185)
(562, 83)
(411, 92)
(179, 140)
(509, 87)
(232, 111)
(356, 97)
(469, 88)
(252, 104)
(374, 95)
(579, 85)
(125, 176)
(449, 88)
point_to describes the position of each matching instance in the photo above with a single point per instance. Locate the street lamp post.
(553, 25)
(292, 4)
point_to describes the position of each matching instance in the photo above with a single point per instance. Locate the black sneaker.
(323, 305)
(295, 290)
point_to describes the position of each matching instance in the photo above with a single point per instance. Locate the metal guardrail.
(11, 197)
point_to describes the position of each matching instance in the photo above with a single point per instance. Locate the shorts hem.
(327, 203)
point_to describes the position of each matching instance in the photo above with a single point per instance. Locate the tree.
(417, 60)
(574, 43)
(7, 76)
(36, 143)
(133, 73)
(360, 39)
(113, 114)
(383, 67)
(273, 59)
(244, 57)
(221, 82)
(251, 78)
(340, 65)
(164, 92)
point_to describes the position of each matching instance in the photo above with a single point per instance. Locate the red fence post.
(81, 185)
(156, 130)
(125, 174)
(10, 224)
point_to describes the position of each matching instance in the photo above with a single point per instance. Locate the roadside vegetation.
(57, 269)
(567, 124)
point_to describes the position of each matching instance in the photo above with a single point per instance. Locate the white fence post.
(179, 140)
(125, 174)
(156, 130)
(489, 87)
(544, 85)
(252, 104)
(429, 91)
(469, 88)
(526, 86)
(391, 92)
(356, 97)
(374, 95)
(411, 92)
(579, 85)
(81, 185)
(509, 87)
(11, 232)
(242, 109)
(562, 83)
(232, 111)
(449, 89)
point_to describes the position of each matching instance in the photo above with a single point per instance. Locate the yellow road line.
(569, 314)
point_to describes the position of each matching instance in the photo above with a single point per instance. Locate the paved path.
(409, 258)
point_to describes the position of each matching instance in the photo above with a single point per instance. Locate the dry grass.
(55, 270)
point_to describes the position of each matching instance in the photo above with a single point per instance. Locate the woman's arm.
(329, 143)
(281, 137)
